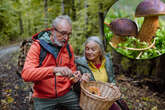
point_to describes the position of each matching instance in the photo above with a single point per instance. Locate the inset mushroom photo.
(137, 33)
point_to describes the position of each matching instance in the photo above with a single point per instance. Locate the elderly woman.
(95, 65)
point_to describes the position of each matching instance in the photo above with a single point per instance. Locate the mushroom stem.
(148, 29)
(116, 40)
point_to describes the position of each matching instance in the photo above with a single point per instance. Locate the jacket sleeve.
(31, 72)
(111, 69)
(113, 75)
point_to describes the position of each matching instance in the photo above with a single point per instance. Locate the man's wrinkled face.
(62, 33)
(92, 51)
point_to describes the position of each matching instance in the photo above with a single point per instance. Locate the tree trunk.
(29, 27)
(73, 10)
(139, 68)
(160, 68)
(1, 86)
(21, 24)
(62, 7)
(78, 5)
(152, 69)
(101, 28)
(46, 12)
(101, 21)
(86, 17)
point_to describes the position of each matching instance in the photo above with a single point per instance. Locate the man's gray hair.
(98, 41)
(60, 18)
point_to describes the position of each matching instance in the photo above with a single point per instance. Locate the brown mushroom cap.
(150, 8)
(124, 27)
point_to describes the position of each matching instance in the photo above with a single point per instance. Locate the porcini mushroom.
(122, 27)
(150, 10)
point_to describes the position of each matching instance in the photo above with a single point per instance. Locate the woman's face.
(92, 51)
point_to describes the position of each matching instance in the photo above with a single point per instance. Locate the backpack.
(24, 47)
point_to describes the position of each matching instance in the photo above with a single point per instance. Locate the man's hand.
(64, 71)
(85, 77)
(76, 76)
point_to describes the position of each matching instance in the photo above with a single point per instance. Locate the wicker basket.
(89, 101)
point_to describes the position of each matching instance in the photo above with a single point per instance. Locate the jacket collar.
(82, 61)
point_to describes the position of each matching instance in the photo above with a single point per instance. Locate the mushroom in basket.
(94, 90)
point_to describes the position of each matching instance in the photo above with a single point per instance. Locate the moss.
(142, 68)
(125, 63)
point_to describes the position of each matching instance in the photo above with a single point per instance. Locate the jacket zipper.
(55, 87)
(57, 63)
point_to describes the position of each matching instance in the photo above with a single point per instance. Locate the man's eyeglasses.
(63, 32)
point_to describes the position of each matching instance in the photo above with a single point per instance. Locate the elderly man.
(50, 66)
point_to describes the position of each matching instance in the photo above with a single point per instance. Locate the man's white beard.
(56, 42)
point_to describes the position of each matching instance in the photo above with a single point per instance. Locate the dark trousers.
(70, 101)
(115, 107)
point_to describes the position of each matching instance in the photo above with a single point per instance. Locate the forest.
(20, 19)
(142, 82)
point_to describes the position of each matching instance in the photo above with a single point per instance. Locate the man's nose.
(66, 37)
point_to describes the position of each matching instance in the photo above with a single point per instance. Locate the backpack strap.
(42, 56)
(43, 52)
(48, 48)
(68, 49)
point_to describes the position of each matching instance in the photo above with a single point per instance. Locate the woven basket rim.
(93, 96)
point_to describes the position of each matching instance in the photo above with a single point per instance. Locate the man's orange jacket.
(46, 84)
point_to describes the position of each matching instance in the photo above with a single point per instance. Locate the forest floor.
(143, 94)
(14, 92)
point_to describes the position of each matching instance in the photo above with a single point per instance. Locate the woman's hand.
(85, 77)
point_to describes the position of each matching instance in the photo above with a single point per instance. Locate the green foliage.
(29, 12)
(33, 17)
(78, 37)
(82, 28)
(4, 40)
(8, 25)
(132, 42)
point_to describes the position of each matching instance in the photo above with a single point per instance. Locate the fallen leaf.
(154, 108)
